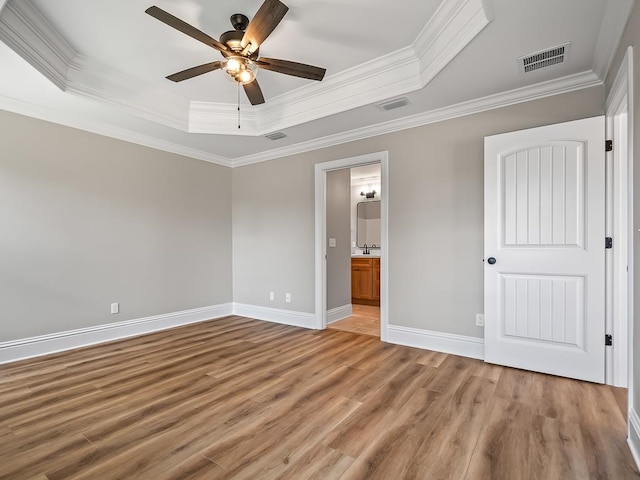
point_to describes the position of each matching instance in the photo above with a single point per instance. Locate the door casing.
(321, 170)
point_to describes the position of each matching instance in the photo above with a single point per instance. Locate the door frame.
(619, 312)
(321, 170)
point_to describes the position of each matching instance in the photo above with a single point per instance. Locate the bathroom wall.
(363, 179)
(338, 228)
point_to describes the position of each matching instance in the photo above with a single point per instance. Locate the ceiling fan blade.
(184, 27)
(295, 69)
(254, 93)
(194, 71)
(266, 19)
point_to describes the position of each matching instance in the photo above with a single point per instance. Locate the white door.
(544, 249)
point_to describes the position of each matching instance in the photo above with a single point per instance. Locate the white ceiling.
(101, 67)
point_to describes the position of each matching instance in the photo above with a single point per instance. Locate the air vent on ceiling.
(393, 103)
(545, 58)
(275, 136)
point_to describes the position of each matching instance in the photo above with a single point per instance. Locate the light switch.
(332, 242)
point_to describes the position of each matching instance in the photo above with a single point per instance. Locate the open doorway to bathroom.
(326, 312)
(365, 236)
(323, 312)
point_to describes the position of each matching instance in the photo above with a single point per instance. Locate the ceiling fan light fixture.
(240, 70)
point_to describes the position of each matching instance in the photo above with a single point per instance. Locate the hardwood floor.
(236, 398)
(365, 321)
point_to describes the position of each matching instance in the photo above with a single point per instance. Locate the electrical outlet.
(272, 296)
(115, 308)
(479, 320)
(287, 297)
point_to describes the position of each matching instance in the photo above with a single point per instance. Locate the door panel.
(544, 225)
(544, 195)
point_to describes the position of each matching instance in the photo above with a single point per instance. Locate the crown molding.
(91, 79)
(534, 92)
(223, 118)
(24, 29)
(30, 35)
(520, 95)
(451, 28)
(82, 122)
(615, 18)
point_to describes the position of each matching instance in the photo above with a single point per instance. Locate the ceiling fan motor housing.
(239, 21)
(232, 39)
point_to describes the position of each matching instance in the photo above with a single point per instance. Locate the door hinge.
(608, 242)
(608, 340)
(608, 145)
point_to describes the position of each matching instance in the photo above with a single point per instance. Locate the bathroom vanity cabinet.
(365, 280)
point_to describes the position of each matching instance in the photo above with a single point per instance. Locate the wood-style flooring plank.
(235, 398)
(502, 450)
(446, 450)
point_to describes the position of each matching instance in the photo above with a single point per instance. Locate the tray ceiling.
(101, 67)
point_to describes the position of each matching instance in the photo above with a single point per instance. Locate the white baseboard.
(438, 341)
(56, 342)
(339, 313)
(276, 315)
(634, 435)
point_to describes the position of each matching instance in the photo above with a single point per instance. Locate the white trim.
(276, 315)
(615, 18)
(339, 313)
(619, 223)
(321, 170)
(450, 29)
(490, 102)
(462, 345)
(15, 350)
(91, 79)
(634, 436)
(61, 117)
(25, 30)
(512, 97)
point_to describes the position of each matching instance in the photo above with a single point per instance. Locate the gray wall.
(273, 213)
(435, 215)
(339, 227)
(631, 36)
(88, 220)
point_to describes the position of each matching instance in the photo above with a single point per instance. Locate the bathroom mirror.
(368, 225)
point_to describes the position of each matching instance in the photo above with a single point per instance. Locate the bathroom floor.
(365, 321)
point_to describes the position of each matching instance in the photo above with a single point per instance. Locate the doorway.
(323, 242)
(357, 216)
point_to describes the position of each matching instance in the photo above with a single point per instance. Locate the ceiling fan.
(240, 49)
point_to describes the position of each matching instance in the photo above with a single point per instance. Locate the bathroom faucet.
(366, 250)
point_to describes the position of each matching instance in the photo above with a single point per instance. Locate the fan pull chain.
(238, 105)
